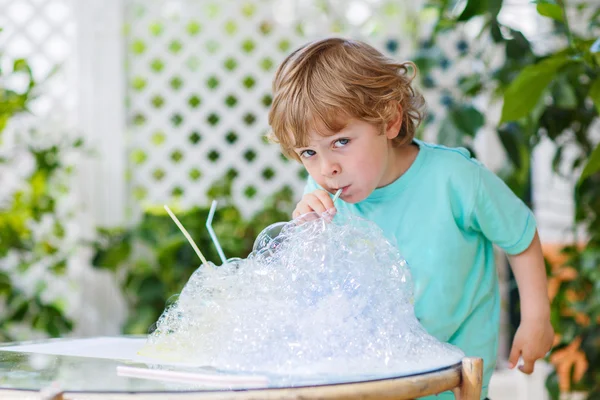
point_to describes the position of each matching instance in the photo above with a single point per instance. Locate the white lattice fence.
(44, 33)
(199, 89)
(47, 33)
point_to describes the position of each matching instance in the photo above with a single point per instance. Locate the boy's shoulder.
(457, 155)
(452, 162)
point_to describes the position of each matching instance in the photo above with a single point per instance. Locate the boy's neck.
(401, 158)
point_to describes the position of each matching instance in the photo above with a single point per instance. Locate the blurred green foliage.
(13, 102)
(26, 311)
(554, 95)
(20, 249)
(154, 260)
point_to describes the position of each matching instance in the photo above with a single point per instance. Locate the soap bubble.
(317, 297)
(267, 235)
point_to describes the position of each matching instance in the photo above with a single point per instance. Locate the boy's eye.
(341, 142)
(307, 153)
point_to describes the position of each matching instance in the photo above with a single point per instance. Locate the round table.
(27, 370)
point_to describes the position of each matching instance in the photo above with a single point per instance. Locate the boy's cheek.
(313, 173)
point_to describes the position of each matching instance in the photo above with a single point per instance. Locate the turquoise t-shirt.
(444, 213)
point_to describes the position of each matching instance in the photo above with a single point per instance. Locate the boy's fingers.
(325, 198)
(318, 201)
(301, 208)
(316, 204)
(527, 366)
(513, 358)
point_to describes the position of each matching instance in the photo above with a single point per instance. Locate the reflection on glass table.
(87, 366)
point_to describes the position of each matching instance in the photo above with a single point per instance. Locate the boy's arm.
(535, 335)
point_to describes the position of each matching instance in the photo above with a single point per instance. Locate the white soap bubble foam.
(318, 296)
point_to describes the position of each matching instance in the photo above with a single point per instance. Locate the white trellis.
(43, 32)
(199, 89)
(48, 34)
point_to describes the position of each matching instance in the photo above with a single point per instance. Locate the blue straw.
(212, 234)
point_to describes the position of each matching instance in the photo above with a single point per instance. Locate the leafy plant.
(35, 242)
(553, 95)
(154, 260)
(13, 102)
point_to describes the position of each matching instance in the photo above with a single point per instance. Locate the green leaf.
(550, 10)
(60, 267)
(495, 31)
(468, 119)
(595, 93)
(555, 120)
(509, 135)
(473, 8)
(552, 386)
(525, 90)
(557, 159)
(151, 289)
(594, 20)
(114, 252)
(494, 7)
(518, 48)
(428, 58)
(139, 322)
(564, 94)
(449, 134)
(20, 312)
(21, 65)
(471, 85)
(593, 164)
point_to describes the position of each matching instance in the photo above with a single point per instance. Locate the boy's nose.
(330, 169)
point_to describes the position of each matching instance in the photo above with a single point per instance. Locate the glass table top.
(111, 365)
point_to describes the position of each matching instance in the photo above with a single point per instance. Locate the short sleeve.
(500, 215)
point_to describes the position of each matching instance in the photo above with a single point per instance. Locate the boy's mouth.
(344, 189)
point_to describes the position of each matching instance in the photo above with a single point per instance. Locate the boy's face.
(357, 159)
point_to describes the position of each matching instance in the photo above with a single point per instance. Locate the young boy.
(349, 115)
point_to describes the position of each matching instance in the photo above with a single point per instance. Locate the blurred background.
(110, 109)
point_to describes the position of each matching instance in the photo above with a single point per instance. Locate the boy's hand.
(532, 341)
(318, 201)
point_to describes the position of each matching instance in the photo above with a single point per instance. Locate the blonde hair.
(324, 83)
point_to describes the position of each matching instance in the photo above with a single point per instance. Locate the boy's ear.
(392, 128)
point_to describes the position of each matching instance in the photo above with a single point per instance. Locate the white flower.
(10, 182)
